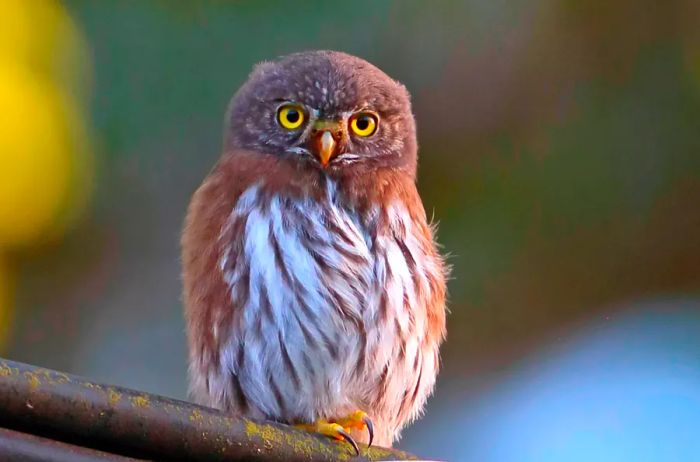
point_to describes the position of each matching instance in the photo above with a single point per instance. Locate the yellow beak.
(326, 147)
(326, 135)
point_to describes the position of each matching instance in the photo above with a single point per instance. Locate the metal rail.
(63, 408)
(22, 447)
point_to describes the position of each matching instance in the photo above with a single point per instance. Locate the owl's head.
(326, 109)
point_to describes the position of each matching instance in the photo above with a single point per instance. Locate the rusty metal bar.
(21, 447)
(117, 420)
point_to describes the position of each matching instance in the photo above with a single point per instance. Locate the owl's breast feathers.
(297, 285)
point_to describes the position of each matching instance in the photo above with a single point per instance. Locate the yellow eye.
(364, 124)
(290, 116)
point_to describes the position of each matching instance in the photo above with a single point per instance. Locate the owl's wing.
(209, 308)
(214, 278)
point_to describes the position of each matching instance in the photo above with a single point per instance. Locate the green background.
(559, 152)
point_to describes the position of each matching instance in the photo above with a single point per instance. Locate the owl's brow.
(274, 100)
(280, 101)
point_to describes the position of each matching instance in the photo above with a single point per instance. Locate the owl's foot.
(358, 420)
(340, 428)
(331, 429)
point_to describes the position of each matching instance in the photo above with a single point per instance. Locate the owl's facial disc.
(324, 110)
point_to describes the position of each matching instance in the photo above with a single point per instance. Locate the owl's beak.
(325, 134)
(326, 147)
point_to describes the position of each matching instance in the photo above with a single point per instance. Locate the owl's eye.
(364, 124)
(290, 116)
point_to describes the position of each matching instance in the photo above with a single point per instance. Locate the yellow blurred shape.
(37, 156)
(18, 41)
(7, 291)
(40, 35)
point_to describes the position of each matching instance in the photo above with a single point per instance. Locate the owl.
(314, 292)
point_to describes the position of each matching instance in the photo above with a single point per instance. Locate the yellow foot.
(358, 420)
(340, 428)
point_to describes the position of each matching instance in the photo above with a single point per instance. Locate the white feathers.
(325, 309)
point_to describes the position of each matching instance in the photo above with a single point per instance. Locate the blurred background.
(560, 153)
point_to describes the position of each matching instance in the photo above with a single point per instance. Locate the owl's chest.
(297, 261)
(320, 294)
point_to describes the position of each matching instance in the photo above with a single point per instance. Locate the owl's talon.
(332, 429)
(350, 440)
(370, 429)
(358, 420)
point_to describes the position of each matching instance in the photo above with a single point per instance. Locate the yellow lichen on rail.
(52, 377)
(33, 379)
(6, 371)
(114, 396)
(271, 436)
(140, 401)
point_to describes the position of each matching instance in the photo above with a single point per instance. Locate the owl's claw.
(370, 429)
(340, 428)
(359, 420)
(332, 429)
(350, 440)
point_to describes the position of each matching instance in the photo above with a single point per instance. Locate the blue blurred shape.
(625, 387)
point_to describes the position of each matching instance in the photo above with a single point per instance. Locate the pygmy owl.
(314, 292)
